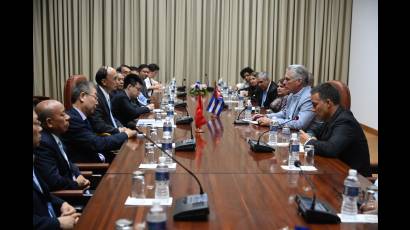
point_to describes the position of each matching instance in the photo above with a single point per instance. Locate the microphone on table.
(312, 210)
(183, 87)
(258, 146)
(192, 207)
(240, 121)
(186, 145)
(184, 119)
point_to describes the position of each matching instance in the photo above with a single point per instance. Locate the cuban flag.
(216, 104)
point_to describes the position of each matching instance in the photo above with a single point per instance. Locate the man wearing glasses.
(125, 104)
(298, 111)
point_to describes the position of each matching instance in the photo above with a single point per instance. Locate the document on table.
(153, 122)
(359, 218)
(154, 166)
(304, 168)
(132, 201)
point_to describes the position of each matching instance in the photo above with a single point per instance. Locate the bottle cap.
(352, 172)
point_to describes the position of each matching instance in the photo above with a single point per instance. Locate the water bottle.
(294, 150)
(171, 101)
(167, 127)
(162, 180)
(170, 111)
(248, 111)
(273, 133)
(350, 193)
(156, 217)
(167, 147)
(240, 101)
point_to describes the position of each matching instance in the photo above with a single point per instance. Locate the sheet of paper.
(158, 110)
(359, 218)
(154, 166)
(304, 168)
(147, 201)
(153, 122)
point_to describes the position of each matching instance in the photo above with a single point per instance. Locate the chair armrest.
(86, 173)
(92, 166)
(68, 193)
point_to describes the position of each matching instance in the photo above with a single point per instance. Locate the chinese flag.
(199, 117)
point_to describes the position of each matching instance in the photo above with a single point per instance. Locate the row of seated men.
(316, 113)
(61, 138)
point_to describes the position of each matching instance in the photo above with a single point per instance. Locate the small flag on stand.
(216, 104)
(199, 116)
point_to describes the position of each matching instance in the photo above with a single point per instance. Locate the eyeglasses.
(95, 97)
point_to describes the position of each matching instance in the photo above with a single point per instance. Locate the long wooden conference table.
(246, 190)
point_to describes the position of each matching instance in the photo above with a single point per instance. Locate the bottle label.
(157, 225)
(161, 176)
(294, 148)
(170, 113)
(273, 128)
(167, 146)
(167, 128)
(351, 191)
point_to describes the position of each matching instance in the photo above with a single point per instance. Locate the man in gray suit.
(298, 110)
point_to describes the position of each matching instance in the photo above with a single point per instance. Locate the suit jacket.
(83, 145)
(101, 120)
(272, 93)
(41, 217)
(126, 109)
(343, 137)
(297, 105)
(52, 166)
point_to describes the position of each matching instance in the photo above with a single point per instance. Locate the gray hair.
(263, 75)
(82, 86)
(299, 72)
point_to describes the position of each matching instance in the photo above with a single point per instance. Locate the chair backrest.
(344, 93)
(68, 88)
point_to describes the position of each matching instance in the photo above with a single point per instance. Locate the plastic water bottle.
(167, 127)
(248, 111)
(156, 217)
(167, 147)
(170, 111)
(162, 180)
(350, 193)
(273, 133)
(294, 150)
(240, 101)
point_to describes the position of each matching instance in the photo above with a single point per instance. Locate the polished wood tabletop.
(246, 190)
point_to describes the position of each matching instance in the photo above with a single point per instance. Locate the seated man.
(49, 211)
(83, 144)
(298, 111)
(267, 90)
(125, 104)
(143, 72)
(120, 84)
(51, 160)
(103, 121)
(341, 135)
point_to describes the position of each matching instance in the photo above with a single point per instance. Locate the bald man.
(49, 211)
(51, 161)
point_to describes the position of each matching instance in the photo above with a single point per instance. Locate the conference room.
(205, 114)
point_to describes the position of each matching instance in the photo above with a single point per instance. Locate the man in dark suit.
(267, 90)
(103, 120)
(125, 104)
(83, 145)
(49, 212)
(341, 135)
(52, 162)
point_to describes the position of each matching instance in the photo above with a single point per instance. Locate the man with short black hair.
(341, 136)
(125, 104)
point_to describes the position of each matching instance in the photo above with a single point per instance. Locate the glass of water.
(149, 153)
(309, 154)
